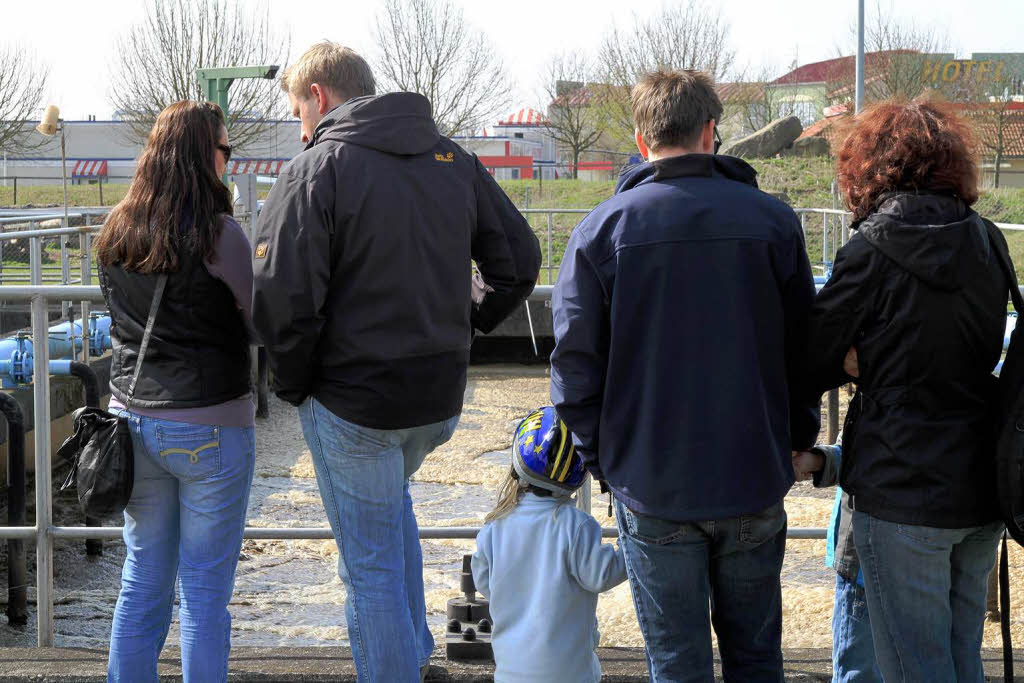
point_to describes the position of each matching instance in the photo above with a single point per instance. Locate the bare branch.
(426, 47)
(690, 34)
(22, 84)
(576, 116)
(157, 60)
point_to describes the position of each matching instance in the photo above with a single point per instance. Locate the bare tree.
(157, 60)
(22, 84)
(750, 104)
(996, 111)
(576, 120)
(689, 34)
(427, 47)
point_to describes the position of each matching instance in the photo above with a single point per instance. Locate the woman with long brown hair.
(914, 314)
(176, 273)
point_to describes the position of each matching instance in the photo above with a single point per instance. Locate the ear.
(640, 144)
(707, 138)
(319, 93)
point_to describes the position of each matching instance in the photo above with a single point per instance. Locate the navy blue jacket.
(680, 316)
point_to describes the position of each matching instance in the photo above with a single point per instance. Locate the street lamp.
(48, 127)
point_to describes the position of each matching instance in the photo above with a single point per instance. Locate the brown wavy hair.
(176, 199)
(917, 146)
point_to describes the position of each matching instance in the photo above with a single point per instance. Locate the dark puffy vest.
(198, 353)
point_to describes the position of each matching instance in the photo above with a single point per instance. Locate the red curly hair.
(922, 145)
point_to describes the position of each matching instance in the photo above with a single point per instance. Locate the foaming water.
(288, 592)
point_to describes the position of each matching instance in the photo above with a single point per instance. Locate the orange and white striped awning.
(257, 166)
(523, 117)
(89, 168)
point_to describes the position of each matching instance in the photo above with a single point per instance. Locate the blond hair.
(511, 492)
(335, 67)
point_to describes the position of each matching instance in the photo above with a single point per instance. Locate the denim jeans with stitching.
(183, 525)
(688, 577)
(926, 595)
(363, 475)
(853, 650)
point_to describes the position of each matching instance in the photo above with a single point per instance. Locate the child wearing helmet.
(541, 563)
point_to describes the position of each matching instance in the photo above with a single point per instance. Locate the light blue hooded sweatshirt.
(542, 568)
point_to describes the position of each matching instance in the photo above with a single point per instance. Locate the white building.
(102, 149)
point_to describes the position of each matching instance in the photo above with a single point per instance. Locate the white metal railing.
(45, 533)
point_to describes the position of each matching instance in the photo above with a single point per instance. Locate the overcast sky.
(78, 37)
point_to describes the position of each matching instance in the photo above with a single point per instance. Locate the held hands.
(850, 366)
(806, 463)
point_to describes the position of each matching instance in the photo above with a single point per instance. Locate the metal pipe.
(17, 571)
(324, 533)
(30, 292)
(44, 509)
(35, 260)
(28, 533)
(859, 73)
(45, 232)
(550, 257)
(93, 546)
(34, 218)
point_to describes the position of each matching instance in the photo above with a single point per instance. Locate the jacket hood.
(395, 123)
(937, 238)
(696, 165)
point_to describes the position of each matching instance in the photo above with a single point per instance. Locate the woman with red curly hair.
(918, 299)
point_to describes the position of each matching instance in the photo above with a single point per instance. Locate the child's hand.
(850, 363)
(806, 463)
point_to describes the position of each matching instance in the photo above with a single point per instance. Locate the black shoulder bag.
(100, 449)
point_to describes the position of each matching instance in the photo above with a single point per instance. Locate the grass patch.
(804, 182)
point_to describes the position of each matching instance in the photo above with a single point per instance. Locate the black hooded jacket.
(362, 265)
(919, 293)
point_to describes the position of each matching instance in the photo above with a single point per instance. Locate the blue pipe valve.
(21, 360)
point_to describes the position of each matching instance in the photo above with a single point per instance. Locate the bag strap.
(1004, 613)
(995, 238)
(158, 294)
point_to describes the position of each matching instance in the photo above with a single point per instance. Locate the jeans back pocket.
(189, 451)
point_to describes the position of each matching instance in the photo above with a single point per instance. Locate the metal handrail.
(45, 533)
(38, 218)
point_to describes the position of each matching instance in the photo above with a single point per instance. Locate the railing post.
(85, 264)
(41, 432)
(550, 270)
(65, 274)
(35, 257)
(584, 494)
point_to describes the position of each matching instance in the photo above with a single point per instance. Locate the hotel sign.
(955, 70)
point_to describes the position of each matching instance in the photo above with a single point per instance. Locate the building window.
(519, 135)
(515, 174)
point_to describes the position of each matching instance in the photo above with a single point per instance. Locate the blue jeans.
(686, 577)
(926, 595)
(184, 522)
(853, 651)
(363, 475)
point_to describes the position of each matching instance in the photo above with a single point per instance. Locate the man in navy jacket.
(680, 311)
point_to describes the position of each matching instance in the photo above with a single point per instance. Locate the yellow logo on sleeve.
(446, 158)
(261, 250)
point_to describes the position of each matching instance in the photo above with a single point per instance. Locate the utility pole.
(859, 101)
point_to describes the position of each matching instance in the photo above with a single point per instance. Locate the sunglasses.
(227, 152)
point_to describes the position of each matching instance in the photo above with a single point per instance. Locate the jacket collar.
(688, 166)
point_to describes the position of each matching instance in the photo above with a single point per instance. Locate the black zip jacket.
(919, 293)
(362, 265)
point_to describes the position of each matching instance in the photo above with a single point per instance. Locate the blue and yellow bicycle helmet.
(543, 454)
